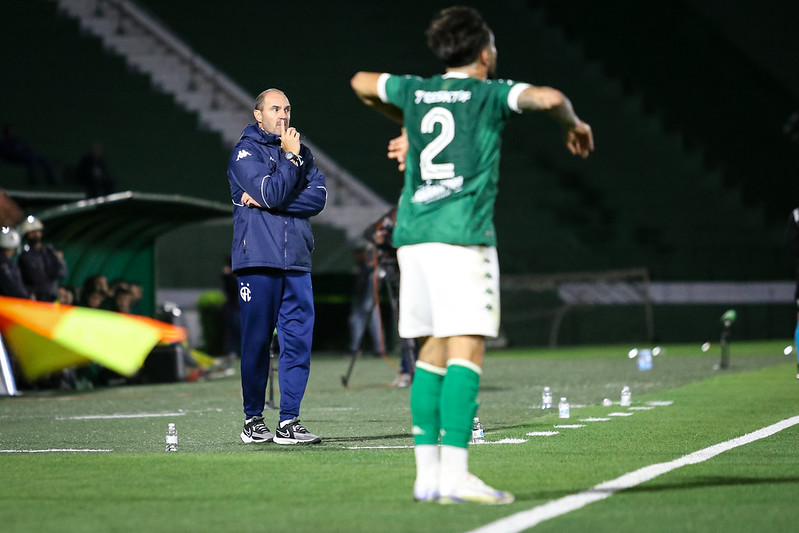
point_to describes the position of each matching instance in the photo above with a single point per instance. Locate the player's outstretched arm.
(579, 137)
(365, 86)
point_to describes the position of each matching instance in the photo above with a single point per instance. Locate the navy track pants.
(284, 299)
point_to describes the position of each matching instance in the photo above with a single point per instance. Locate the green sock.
(459, 402)
(425, 402)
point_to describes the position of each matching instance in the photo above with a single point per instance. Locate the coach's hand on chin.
(289, 138)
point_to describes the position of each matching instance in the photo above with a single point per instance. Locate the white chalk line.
(500, 441)
(56, 450)
(532, 517)
(110, 417)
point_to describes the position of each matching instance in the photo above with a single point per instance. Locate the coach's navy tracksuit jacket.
(272, 258)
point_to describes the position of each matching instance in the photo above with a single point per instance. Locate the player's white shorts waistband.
(448, 290)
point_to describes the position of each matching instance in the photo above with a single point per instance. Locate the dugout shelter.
(116, 235)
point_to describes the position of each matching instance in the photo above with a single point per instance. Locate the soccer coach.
(275, 188)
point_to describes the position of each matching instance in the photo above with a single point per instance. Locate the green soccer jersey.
(453, 123)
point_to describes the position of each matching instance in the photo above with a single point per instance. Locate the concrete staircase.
(221, 105)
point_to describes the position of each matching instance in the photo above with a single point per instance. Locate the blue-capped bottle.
(563, 408)
(645, 360)
(478, 434)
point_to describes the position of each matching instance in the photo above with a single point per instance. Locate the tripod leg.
(346, 379)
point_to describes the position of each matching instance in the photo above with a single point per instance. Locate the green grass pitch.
(360, 477)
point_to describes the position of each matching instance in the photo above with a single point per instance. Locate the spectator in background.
(382, 233)
(94, 299)
(41, 265)
(364, 310)
(94, 291)
(93, 174)
(123, 298)
(66, 295)
(15, 151)
(10, 277)
(136, 293)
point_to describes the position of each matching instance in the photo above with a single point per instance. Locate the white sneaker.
(403, 380)
(472, 490)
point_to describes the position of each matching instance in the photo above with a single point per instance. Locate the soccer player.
(449, 275)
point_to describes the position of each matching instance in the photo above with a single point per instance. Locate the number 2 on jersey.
(430, 170)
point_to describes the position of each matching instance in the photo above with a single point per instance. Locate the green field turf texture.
(216, 483)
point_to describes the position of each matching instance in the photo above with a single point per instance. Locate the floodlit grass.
(216, 483)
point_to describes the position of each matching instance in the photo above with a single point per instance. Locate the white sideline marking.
(660, 403)
(642, 408)
(595, 419)
(532, 517)
(620, 414)
(54, 450)
(500, 441)
(106, 417)
(569, 426)
(542, 433)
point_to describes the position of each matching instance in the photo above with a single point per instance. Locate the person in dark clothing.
(41, 265)
(10, 277)
(93, 174)
(364, 309)
(384, 272)
(276, 188)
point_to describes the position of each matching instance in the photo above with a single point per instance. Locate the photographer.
(386, 270)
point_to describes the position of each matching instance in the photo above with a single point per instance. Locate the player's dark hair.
(457, 35)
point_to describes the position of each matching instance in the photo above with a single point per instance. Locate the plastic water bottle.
(645, 360)
(546, 398)
(626, 397)
(563, 408)
(478, 435)
(171, 438)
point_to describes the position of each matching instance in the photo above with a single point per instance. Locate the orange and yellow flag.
(47, 337)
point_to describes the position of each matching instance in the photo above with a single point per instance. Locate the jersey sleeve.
(506, 96)
(394, 89)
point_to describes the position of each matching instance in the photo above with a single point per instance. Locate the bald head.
(272, 111)
(259, 100)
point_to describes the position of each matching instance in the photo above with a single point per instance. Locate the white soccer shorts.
(448, 290)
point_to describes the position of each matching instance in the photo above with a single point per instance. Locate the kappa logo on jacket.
(242, 154)
(244, 292)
